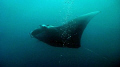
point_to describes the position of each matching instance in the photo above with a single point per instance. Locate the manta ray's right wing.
(72, 31)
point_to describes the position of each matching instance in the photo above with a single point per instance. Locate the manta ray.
(66, 35)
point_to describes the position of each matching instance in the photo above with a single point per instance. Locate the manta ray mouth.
(38, 33)
(41, 35)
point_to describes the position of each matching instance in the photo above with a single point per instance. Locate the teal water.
(100, 43)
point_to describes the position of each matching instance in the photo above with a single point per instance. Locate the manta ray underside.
(67, 35)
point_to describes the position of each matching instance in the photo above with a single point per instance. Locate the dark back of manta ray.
(56, 38)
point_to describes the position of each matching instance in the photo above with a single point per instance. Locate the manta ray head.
(40, 31)
(45, 33)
